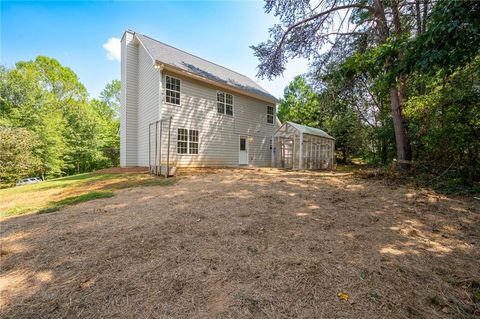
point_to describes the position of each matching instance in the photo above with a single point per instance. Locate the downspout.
(159, 67)
(300, 160)
(273, 151)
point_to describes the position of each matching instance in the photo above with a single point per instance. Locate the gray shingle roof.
(310, 130)
(169, 55)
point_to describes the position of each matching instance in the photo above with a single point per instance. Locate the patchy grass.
(54, 206)
(53, 194)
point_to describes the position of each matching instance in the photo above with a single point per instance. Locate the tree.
(353, 25)
(111, 96)
(18, 158)
(445, 125)
(84, 137)
(300, 104)
(449, 41)
(109, 107)
(353, 85)
(28, 101)
(46, 98)
(109, 135)
(348, 132)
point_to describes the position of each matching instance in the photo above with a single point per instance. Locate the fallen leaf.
(342, 295)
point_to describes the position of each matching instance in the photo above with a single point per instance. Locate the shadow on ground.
(247, 244)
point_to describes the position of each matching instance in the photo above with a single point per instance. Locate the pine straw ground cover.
(247, 244)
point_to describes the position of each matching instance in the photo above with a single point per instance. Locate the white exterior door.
(243, 151)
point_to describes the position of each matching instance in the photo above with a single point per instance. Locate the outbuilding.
(298, 146)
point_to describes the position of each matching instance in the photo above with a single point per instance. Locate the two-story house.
(218, 117)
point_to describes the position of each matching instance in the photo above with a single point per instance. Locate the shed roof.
(310, 130)
(169, 55)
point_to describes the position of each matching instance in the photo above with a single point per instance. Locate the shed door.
(243, 151)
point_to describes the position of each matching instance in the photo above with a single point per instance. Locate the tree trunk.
(396, 96)
(344, 155)
(418, 16)
(384, 153)
(421, 17)
(425, 15)
(401, 140)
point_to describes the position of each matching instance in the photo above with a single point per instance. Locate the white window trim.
(188, 142)
(273, 115)
(176, 147)
(225, 104)
(165, 90)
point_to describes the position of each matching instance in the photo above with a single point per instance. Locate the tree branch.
(370, 92)
(347, 33)
(318, 15)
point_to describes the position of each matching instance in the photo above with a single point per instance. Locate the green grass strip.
(55, 206)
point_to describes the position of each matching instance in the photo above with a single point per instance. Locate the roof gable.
(174, 57)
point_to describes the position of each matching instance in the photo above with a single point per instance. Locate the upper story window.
(172, 90)
(224, 103)
(270, 114)
(187, 141)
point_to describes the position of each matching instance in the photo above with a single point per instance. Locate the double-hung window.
(270, 114)
(172, 90)
(225, 103)
(192, 141)
(187, 141)
(182, 141)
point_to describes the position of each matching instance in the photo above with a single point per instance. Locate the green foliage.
(26, 102)
(17, 154)
(111, 97)
(445, 126)
(75, 134)
(405, 86)
(451, 40)
(348, 132)
(373, 62)
(109, 135)
(300, 104)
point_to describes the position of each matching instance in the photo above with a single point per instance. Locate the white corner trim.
(148, 52)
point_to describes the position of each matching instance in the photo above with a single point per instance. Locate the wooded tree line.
(48, 125)
(390, 79)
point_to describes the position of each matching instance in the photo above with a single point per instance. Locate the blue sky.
(77, 33)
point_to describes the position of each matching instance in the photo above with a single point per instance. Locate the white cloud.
(112, 46)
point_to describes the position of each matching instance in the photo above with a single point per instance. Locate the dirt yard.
(247, 244)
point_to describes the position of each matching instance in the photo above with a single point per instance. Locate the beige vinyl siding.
(143, 102)
(251, 120)
(129, 95)
(148, 102)
(218, 133)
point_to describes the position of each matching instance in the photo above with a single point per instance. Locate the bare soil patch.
(238, 243)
